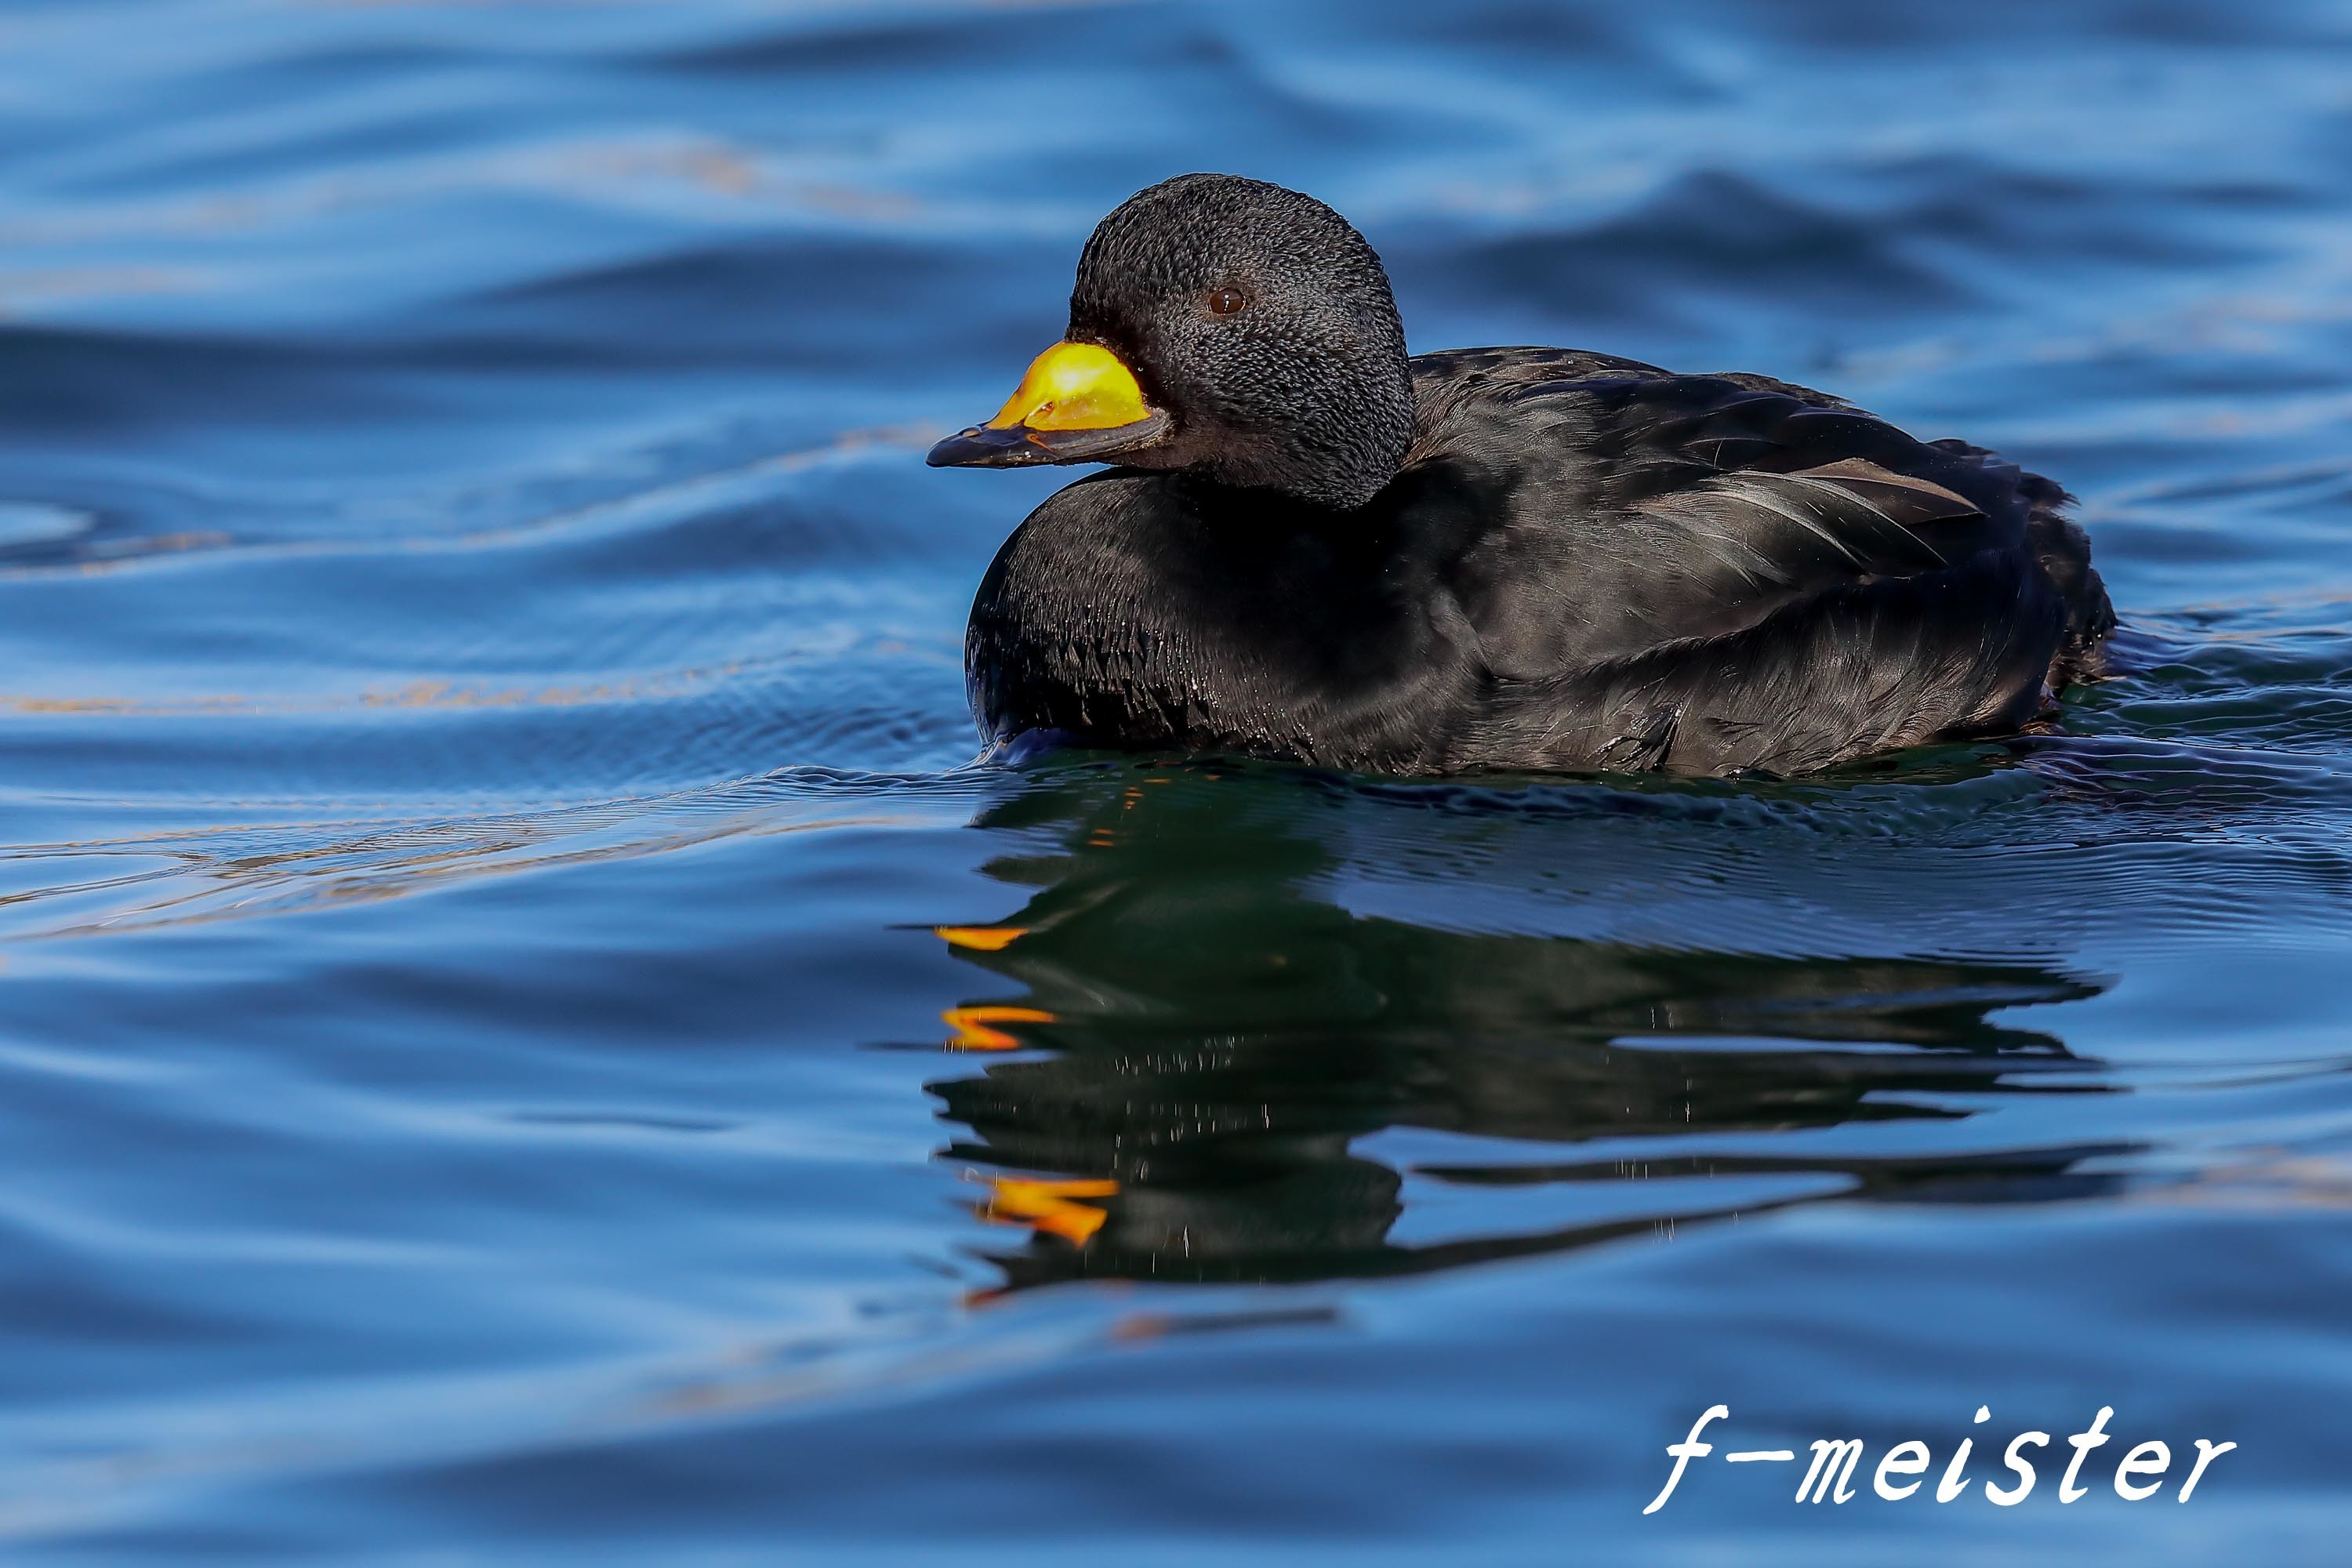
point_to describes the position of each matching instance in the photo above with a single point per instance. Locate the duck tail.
(2062, 547)
(2064, 552)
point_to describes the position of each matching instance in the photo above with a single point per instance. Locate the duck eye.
(1227, 302)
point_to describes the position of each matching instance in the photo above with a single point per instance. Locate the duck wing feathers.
(1717, 571)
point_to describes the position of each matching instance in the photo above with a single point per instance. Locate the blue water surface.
(484, 763)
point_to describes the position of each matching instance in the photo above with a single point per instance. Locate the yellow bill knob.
(1074, 386)
(1078, 404)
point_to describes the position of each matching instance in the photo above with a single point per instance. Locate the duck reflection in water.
(1202, 1037)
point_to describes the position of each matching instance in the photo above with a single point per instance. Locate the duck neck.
(1347, 444)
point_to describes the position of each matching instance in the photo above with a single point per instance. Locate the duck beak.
(1078, 404)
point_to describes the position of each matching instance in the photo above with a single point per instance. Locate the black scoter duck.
(1317, 548)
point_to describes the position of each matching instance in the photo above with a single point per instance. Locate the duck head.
(1225, 327)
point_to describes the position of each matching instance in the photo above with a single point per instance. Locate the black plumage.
(1503, 558)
